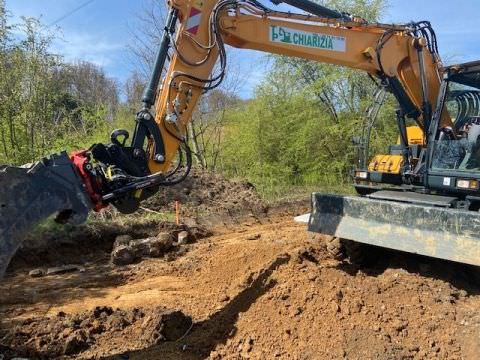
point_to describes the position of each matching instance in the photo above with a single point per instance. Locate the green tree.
(46, 104)
(298, 129)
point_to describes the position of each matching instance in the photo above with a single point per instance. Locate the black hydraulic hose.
(315, 9)
(148, 98)
(153, 180)
(426, 106)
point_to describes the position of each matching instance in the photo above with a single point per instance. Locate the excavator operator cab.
(455, 159)
(452, 157)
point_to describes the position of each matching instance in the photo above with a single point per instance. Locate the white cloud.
(83, 46)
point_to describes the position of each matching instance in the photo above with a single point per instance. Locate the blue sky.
(101, 31)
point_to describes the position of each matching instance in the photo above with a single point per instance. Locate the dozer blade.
(439, 232)
(31, 194)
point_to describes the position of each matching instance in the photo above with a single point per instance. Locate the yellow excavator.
(422, 196)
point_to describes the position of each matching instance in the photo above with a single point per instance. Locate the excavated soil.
(260, 290)
(205, 192)
(250, 285)
(205, 198)
(103, 326)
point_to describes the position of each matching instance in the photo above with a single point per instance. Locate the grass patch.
(295, 192)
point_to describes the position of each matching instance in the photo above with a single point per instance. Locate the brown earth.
(115, 329)
(257, 287)
(205, 192)
(205, 198)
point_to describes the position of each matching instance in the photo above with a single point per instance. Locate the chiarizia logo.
(286, 35)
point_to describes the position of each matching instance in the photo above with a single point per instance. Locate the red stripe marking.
(194, 11)
(193, 30)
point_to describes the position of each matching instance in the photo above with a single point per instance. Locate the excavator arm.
(194, 45)
(395, 54)
(392, 53)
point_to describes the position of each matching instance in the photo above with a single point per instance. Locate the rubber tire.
(361, 254)
(363, 191)
(335, 248)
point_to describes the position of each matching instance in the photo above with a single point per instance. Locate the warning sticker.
(194, 20)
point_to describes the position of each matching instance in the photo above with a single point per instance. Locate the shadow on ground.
(217, 329)
(461, 276)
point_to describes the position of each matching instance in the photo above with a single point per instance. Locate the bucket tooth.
(439, 232)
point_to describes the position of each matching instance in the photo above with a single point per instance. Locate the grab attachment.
(32, 193)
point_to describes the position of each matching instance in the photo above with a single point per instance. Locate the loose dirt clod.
(72, 334)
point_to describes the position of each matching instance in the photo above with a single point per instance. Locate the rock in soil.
(122, 240)
(153, 246)
(128, 251)
(59, 270)
(36, 273)
(183, 237)
(162, 244)
(123, 255)
(142, 248)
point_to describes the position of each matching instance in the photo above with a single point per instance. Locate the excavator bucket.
(431, 229)
(34, 192)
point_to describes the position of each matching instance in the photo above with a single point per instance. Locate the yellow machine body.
(386, 164)
(415, 136)
(392, 164)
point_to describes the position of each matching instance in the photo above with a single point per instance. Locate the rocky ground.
(256, 285)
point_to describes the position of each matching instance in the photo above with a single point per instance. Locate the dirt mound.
(205, 192)
(206, 198)
(322, 308)
(261, 289)
(69, 335)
